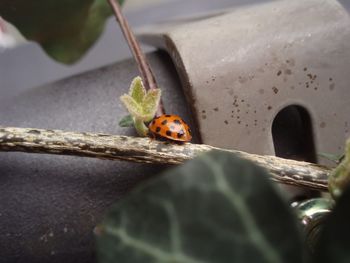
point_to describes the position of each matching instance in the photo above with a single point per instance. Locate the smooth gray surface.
(28, 66)
(50, 204)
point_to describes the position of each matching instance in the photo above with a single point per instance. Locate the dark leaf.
(66, 29)
(334, 243)
(216, 208)
(126, 121)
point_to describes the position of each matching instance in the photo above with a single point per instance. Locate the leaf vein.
(247, 219)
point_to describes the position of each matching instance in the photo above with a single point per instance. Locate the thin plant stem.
(144, 67)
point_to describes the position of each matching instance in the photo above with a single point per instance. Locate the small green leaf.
(141, 105)
(339, 179)
(334, 242)
(129, 121)
(137, 90)
(126, 121)
(150, 104)
(133, 107)
(332, 157)
(216, 208)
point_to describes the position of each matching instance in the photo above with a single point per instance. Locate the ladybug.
(170, 127)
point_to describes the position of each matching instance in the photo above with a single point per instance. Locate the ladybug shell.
(171, 127)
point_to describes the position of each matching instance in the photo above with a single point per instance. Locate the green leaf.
(65, 29)
(141, 105)
(216, 208)
(339, 179)
(126, 121)
(133, 107)
(137, 90)
(334, 243)
(129, 121)
(150, 104)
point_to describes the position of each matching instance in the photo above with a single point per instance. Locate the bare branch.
(145, 150)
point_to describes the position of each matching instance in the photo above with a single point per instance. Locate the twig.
(144, 68)
(144, 150)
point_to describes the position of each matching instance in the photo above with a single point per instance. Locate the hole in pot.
(293, 134)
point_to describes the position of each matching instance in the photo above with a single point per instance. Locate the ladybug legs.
(151, 135)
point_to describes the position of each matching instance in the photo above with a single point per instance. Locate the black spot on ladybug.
(168, 133)
(154, 122)
(179, 135)
(167, 115)
(164, 122)
(158, 129)
(177, 121)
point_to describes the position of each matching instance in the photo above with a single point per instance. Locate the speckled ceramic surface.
(240, 69)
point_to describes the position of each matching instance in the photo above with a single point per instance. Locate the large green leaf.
(334, 243)
(216, 208)
(66, 29)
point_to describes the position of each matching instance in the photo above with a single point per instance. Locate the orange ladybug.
(170, 127)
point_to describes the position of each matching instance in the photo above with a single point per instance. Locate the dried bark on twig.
(145, 150)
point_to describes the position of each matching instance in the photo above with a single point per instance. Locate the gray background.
(27, 66)
(50, 204)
